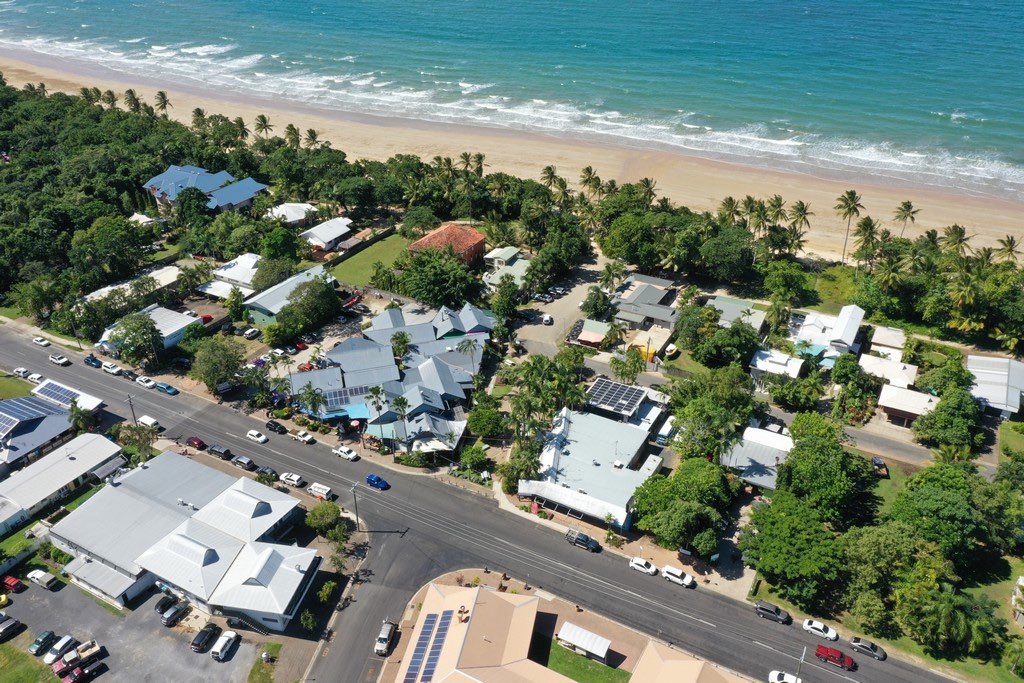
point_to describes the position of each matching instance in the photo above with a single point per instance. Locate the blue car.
(165, 388)
(376, 482)
(92, 361)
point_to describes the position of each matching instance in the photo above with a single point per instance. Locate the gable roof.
(275, 298)
(290, 212)
(998, 381)
(730, 310)
(776, 363)
(328, 231)
(895, 372)
(27, 423)
(758, 456)
(171, 182)
(55, 470)
(235, 193)
(906, 400)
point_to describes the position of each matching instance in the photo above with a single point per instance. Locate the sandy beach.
(685, 179)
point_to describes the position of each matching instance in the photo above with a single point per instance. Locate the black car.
(270, 471)
(129, 375)
(766, 610)
(308, 338)
(165, 603)
(206, 637)
(276, 427)
(361, 308)
(92, 361)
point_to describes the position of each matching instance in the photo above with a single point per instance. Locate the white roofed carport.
(583, 641)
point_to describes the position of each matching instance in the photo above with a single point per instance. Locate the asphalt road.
(422, 528)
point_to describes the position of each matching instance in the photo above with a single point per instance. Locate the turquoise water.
(919, 91)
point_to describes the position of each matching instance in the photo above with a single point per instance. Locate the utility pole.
(132, 407)
(800, 664)
(355, 505)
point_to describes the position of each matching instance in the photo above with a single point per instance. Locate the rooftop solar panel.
(27, 408)
(59, 393)
(437, 646)
(615, 396)
(421, 648)
(7, 425)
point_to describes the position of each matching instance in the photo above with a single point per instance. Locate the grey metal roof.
(235, 193)
(419, 333)
(758, 456)
(438, 376)
(59, 468)
(387, 319)
(731, 310)
(372, 376)
(326, 379)
(98, 575)
(361, 354)
(275, 298)
(422, 399)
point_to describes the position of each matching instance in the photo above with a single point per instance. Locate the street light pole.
(132, 407)
(355, 505)
(800, 663)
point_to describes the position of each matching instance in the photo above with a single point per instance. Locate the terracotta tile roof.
(462, 239)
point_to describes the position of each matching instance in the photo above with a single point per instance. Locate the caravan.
(667, 431)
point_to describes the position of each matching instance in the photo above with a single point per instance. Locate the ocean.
(921, 92)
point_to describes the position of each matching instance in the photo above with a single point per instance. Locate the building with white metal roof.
(835, 333)
(774, 362)
(903, 406)
(999, 382)
(170, 324)
(758, 455)
(893, 371)
(265, 306)
(238, 272)
(291, 213)
(164, 277)
(327, 235)
(52, 477)
(888, 342)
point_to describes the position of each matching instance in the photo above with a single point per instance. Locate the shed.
(583, 642)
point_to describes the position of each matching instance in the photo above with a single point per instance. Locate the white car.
(21, 372)
(677, 575)
(258, 437)
(278, 352)
(41, 578)
(345, 452)
(111, 368)
(58, 359)
(145, 381)
(36, 378)
(303, 436)
(223, 645)
(642, 565)
(292, 479)
(782, 677)
(39, 341)
(820, 629)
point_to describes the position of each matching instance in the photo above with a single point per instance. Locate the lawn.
(168, 250)
(548, 652)
(21, 667)
(357, 270)
(1009, 438)
(260, 672)
(15, 542)
(11, 312)
(887, 489)
(835, 287)
(682, 364)
(502, 390)
(12, 387)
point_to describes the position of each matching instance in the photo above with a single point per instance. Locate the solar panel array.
(58, 393)
(615, 396)
(337, 398)
(437, 646)
(7, 425)
(420, 650)
(28, 408)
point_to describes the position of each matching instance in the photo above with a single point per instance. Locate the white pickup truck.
(301, 435)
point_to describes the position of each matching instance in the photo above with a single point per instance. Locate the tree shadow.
(985, 567)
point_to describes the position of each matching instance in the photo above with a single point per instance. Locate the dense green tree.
(694, 324)
(728, 255)
(323, 517)
(834, 481)
(280, 243)
(418, 221)
(505, 298)
(727, 345)
(235, 304)
(438, 278)
(218, 359)
(796, 394)
(487, 421)
(474, 458)
(815, 424)
(597, 304)
(309, 305)
(627, 367)
(955, 421)
(270, 272)
(952, 373)
(137, 338)
(950, 623)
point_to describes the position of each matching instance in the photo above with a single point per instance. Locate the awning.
(222, 290)
(583, 639)
(108, 468)
(101, 577)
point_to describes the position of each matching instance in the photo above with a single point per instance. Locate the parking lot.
(137, 646)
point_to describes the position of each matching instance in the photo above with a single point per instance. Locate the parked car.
(258, 437)
(12, 584)
(362, 308)
(276, 427)
(36, 378)
(291, 350)
(84, 654)
(41, 578)
(58, 359)
(301, 435)
(278, 352)
(767, 610)
(547, 319)
(292, 479)
(382, 645)
(39, 341)
(174, 614)
(223, 645)
(129, 375)
(145, 382)
(222, 452)
(269, 471)
(251, 333)
(9, 628)
(642, 565)
(165, 388)
(581, 540)
(111, 368)
(84, 673)
(880, 468)
(58, 649)
(148, 421)
(308, 338)
(783, 677)
(165, 603)
(301, 346)
(678, 576)
(244, 462)
(866, 647)
(832, 656)
(819, 629)
(207, 635)
(92, 361)
(42, 643)
(21, 372)
(195, 442)
(345, 452)
(377, 482)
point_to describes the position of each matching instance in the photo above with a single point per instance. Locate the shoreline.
(686, 179)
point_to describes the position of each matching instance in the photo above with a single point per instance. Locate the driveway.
(138, 647)
(565, 309)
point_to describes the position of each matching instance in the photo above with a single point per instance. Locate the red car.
(206, 318)
(12, 584)
(305, 367)
(300, 346)
(832, 656)
(196, 443)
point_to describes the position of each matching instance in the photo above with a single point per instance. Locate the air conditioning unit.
(618, 464)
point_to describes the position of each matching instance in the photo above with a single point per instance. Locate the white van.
(223, 645)
(148, 421)
(321, 491)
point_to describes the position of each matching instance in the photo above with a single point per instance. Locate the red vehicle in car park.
(832, 656)
(12, 584)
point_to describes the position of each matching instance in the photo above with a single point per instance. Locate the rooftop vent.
(618, 464)
(582, 491)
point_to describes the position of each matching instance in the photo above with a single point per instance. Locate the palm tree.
(587, 177)
(312, 138)
(612, 274)
(262, 125)
(778, 314)
(243, 130)
(615, 334)
(561, 194)
(905, 213)
(466, 161)
(1009, 248)
(377, 397)
(468, 347)
(776, 209)
(87, 95)
(647, 190)
(81, 419)
(162, 102)
(548, 175)
(400, 342)
(292, 135)
(955, 240)
(866, 239)
(478, 164)
(888, 275)
(109, 98)
(848, 206)
(312, 399)
(729, 211)
(400, 404)
(131, 100)
(41, 89)
(198, 118)
(800, 215)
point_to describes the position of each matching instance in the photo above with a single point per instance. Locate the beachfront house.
(328, 235)
(642, 301)
(222, 190)
(998, 384)
(731, 310)
(505, 261)
(888, 342)
(827, 335)
(772, 362)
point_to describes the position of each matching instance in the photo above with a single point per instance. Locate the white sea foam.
(459, 100)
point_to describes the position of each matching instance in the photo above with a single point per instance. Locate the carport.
(583, 642)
